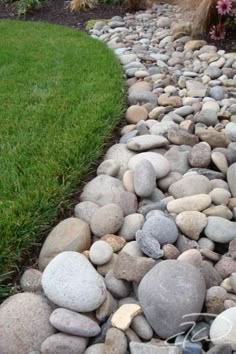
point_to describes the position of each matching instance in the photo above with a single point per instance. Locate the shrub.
(77, 5)
(24, 6)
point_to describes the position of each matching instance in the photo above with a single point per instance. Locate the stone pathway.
(152, 243)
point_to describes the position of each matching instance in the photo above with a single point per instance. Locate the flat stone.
(107, 220)
(70, 281)
(144, 178)
(223, 328)
(159, 162)
(181, 137)
(100, 252)
(162, 128)
(191, 223)
(231, 179)
(70, 234)
(195, 44)
(132, 268)
(122, 318)
(30, 329)
(71, 322)
(197, 202)
(61, 343)
(146, 142)
(132, 223)
(219, 210)
(165, 290)
(85, 210)
(195, 88)
(190, 186)
(220, 229)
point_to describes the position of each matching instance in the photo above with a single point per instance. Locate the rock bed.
(152, 243)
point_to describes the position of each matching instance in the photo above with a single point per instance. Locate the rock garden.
(146, 263)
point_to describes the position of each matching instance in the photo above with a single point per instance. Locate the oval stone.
(70, 281)
(169, 291)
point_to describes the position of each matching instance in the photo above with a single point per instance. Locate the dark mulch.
(57, 11)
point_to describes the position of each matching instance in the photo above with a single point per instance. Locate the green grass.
(61, 94)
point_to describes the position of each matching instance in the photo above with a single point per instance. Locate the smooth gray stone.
(220, 229)
(62, 343)
(164, 294)
(230, 131)
(213, 72)
(178, 158)
(125, 138)
(211, 276)
(217, 92)
(143, 348)
(189, 186)
(142, 97)
(220, 349)
(231, 178)
(152, 206)
(144, 178)
(210, 174)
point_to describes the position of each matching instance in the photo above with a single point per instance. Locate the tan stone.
(71, 234)
(197, 202)
(136, 113)
(165, 100)
(116, 242)
(140, 86)
(191, 223)
(122, 318)
(195, 44)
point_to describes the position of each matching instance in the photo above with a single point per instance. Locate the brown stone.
(181, 137)
(132, 268)
(174, 101)
(195, 44)
(170, 251)
(116, 242)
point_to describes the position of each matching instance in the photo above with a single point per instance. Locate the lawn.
(61, 94)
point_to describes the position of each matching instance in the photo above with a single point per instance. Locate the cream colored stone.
(123, 317)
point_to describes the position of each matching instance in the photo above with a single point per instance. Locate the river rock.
(30, 329)
(100, 252)
(230, 131)
(136, 113)
(85, 210)
(107, 220)
(132, 223)
(190, 186)
(71, 322)
(132, 268)
(61, 343)
(165, 291)
(200, 155)
(159, 162)
(191, 223)
(223, 328)
(197, 202)
(121, 154)
(146, 142)
(144, 178)
(141, 97)
(220, 229)
(116, 342)
(71, 282)
(231, 178)
(70, 234)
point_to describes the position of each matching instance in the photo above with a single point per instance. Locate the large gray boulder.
(24, 323)
(169, 293)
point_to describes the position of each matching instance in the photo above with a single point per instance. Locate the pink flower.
(217, 32)
(224, 7)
